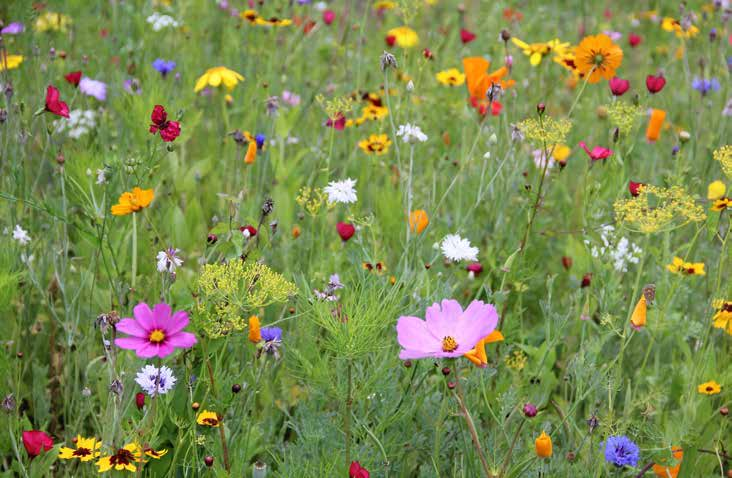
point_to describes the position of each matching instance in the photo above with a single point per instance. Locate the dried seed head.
(388, 60)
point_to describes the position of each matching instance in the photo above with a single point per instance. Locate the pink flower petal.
(144, 315)
(130, 343)
(441, 323)
(478, 321)
(165, 349)
(413, 334)
(148, 350)
(182, 340)
(132, 327)
(177, 322)
(161, 315)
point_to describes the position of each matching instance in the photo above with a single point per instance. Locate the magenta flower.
(155, 333)
(448, 331)
(597, 153)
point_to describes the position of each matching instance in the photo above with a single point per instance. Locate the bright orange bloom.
(255, 333)
(477, 354)
(543, 446)
(479, 80)
(638, 319)
(600, 56)
(418, 220)
(654, 125)
(133, 201)
(670, 471)
(251, 153)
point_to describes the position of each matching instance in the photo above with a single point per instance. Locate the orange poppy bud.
(446, 138)
(392, 280)
(638, 319)
(543, 446)
(251, 152)
(295, 231)
(670, 471)
(418, 220)
(654, 125)
(255, 334)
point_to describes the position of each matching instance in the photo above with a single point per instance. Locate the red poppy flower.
(655, 83)
(482, 106)
(339, 123)
(36, 441)
(328, 17)
(466, 36)
(345, 230)
(634, 40)
(54, 104)
(634, 188)
(390, 40)
(357, 471)
(73, 78)
(618, 86)
(169, 130)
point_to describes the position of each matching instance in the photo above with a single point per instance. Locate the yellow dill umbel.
(547, 130)
(724, 156)
(658, 209)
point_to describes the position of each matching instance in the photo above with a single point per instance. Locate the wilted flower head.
(387, 60)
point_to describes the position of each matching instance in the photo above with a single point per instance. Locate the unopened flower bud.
(195, 405)
(451, 385)
(566, 262)
(446, 371)
(236, 388)
(586, 280)
(408, 363)
(211, 239)
(208, 460)
(724, 411)
(684, 136)
(140, 400)
(505, 35)
(530, 410)
(540, 108)
(387, 60)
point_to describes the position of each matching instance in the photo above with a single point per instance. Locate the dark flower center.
(82, 452)
(122, 457)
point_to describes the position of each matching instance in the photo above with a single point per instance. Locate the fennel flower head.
(545, 130)
(724, 156)
(658, 209)
(227, 293)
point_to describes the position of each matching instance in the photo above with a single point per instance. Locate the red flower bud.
(618, 86)
(655, 83)
(567, 262)
(328, 17)
(587, 280)
(140, 400)
(427, 53)
(530, 410)
(345, 230)
(634, 188)
(36, 441)
(390, 40)
(475, 267)
(208, 460)
(73, 78)
(634, 40)
(466, 36)
(248, 231)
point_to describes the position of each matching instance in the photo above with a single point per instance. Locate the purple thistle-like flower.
(621, 451)
(95, 88)
(13, 29)
(163, 66)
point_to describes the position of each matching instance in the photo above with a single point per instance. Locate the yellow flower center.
(156, 336)
(449, 344)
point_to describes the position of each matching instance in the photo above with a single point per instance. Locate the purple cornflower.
(163, 66)
(97, 89)
(259, 139)
(12, 29)
(271, 341)
(705, 85)
(270, 334)
(621, 451)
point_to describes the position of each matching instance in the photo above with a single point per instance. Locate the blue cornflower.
(163, 66)
(704, 85)
(259, 138)
(271, 341)
(621, 451)
(270, 334)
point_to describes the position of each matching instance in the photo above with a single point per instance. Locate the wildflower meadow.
(365, 238)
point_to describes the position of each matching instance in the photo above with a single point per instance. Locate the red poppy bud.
(73, 78)
(618, 86)
(466, 36)
(390, 40)
(427, 53)
(475, 267)
(328, 17)
(634, 40)
(634, 188)
(36, 441)
(345, 230)
(140, 400)
(587, 280)
(566, 262)
(655, 83)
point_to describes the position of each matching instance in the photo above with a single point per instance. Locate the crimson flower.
(345, 230)
(357, 471)
(634, 40)
(36, 441)
(655, 83)
(466, 36)
(634, 188)
(73, 78)
(248, 231)
(475, 268)
(140, 400)
(328, 17)
(339, 122)
(618, 86)
(390, 40)
(169, 130)
(596, 153)
(54, 104)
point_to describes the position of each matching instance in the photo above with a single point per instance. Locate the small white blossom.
(160, 21)
(456, 249)
(411, 133)
(341, 191)
(168, 260)
(410, 86)
(101, 176)
(21, 235)
(155, 381)
(79, 123)
(621, 252)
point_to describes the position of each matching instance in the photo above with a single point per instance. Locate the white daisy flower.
(456, 249)
(341, 191)
(155, 381)
(21, 235)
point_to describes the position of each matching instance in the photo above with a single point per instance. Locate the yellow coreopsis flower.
(217, 75)
(679, 266)
(377, 144)
(208, 418)
(709, 388)
(681, 31)
(10, 62)
(86, 449)
(52, 21)
(716, 190)
(403, 36)
(451, 77)
(133, 201)
(537, 51)
(123, 459)
(723, 317)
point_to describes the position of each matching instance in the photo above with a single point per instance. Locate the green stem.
(134, 250)
(469, 421)
(347, 414)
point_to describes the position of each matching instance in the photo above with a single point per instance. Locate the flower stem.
(584, 84)
(469, 421)
(222, 432)
(347, 414)
(134, 250)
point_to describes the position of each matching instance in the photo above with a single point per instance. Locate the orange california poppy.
(600, 56)
(479, 80)
(133, 201)
(477, 354)
(654, 125)
(670, 471)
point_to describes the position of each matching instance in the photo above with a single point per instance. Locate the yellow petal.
(201, 83)
(716, 190)
(535, 59)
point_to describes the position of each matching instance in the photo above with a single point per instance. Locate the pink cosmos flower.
(448, 331)
(155, 333)
(597, 153)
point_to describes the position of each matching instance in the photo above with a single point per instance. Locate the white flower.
(410, 86)
(456, 249)
(621, 254)
(101, 176)
(411, 133)
(79, 123)
(341, 191)
(155, 381)
(168, 260)
(95, 88)
(21, 235)
(159, 21)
